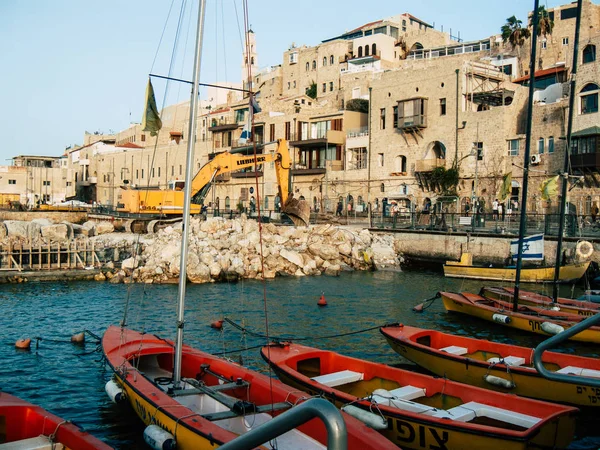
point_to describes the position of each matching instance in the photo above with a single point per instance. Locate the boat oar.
(426, 303)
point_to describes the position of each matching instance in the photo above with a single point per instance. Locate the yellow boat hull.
(568, 273)
(518, 321)
(526, 383)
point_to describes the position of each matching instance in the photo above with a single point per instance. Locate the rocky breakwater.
(222, 249)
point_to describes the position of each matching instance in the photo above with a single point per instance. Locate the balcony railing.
(586, 161)
(449, 51)
(427, 165)
(357, 132)
(418, 120)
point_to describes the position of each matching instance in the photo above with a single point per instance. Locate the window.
(12, 181)
(382, 119)
(331, 60)
(412, 113)
(331, 86)
(324, 87)
(324, 61)
(227, 203)
(551, 144)
(360, 52)
(69, 183)
(240, 114)
(544, 44)
(396, 116)
(380, 159)
(287, 131)
(442, 106)
(172, 171)
(143, 138)
(314, 65)
(478, 146)
(152, 175)
(307, 67)
(159, 172)
(294, 84)
(589, 54)
(367, 50)
(513, 147)
(180, 170)
(374, 49)
(589, 98)
(565, 41)
(289, 84)
(541, 146)
(272, 132)
(358, 158)
(400, 164)
(293, 58)
(137, 174)
(142, 174)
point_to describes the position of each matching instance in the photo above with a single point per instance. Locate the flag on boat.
(533, 247)
(245, 136)
(151, 121)
(549, 188)
(506, 188)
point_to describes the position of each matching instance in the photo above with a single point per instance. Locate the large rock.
(293, 257)
(104, 227)
(55, 233)
(17, 228)
(130, 263)
(324, 251)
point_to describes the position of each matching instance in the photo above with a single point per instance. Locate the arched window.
(382, 187)
(252, 61)
(331, 60)
(360, 52)
(227, 203)
(589, 99)
(374, 49)
(307, 67)
(324, 61)
(589, 53)
(314, 65)
(400, 163)
(367, 50)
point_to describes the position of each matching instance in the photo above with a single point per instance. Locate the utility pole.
(369, 163)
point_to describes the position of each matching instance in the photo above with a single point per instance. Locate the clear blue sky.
(68, 66)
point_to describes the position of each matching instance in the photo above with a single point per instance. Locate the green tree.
(545, 24)
(446, 180)
(312, 90)
(358, 104)
(513, 32)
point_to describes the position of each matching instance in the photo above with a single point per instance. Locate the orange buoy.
(322, 301)
(78, 338)
(23, 344)
(217, 324)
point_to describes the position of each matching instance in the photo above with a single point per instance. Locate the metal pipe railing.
(337, 435)
(553, 342)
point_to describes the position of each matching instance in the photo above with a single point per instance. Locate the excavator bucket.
(298, 211)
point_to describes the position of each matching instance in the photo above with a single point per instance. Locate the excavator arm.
(297, 210)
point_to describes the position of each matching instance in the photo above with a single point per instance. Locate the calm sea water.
(69, 380)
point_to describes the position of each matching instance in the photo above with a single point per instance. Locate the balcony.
(319, 139)
(427, 165)
(586, 162)
(223, 125)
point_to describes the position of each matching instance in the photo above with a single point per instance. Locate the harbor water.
(69, 380)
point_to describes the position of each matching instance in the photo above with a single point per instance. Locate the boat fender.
(500, 382)
(584, 249)
(114, 391)
(501, 318)
(370, 419)
(159, 439)
(551, 328)
(555, 308)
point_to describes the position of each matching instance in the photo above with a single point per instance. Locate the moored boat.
(27, 426)
(419, 411)
(527, 318)
(465, 269)
(217, 400)
(565, 305)
(493, 365)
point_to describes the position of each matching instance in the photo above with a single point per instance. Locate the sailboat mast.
(187, 197)
(523, 223)
(563, 202)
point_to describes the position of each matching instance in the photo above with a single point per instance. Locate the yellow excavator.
(150, 209)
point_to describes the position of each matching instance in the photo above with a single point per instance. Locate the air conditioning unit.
(536, 159)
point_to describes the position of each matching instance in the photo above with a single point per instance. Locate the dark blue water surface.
(69, 380)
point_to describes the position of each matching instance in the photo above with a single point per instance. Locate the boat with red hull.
(419, 411)
(27, 426)
(493, 365)
(219, 400)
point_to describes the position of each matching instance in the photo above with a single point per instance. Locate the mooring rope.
(304, 338)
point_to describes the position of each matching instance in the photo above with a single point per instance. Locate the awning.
(591, 131)
(541, 74)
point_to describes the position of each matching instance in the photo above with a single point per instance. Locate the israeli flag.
(533, 247)
(244, 136)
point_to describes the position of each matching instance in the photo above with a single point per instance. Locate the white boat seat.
(572, 370)
(408, 392)
(339, 378)
(468, 411)
(36, 443)
(385, 397)
(455, 350)
(509, 360)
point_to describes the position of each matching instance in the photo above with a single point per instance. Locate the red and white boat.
(419, 411)
(217, 401)
(27, 426)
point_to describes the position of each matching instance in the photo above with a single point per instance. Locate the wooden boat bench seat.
(468, 411)
(338, 378)
(508, 360)
(455, 350)
(572, 370)
(36, 443)
(401, 399)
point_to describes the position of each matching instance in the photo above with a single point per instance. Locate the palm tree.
(545, 24)
(514, 33)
